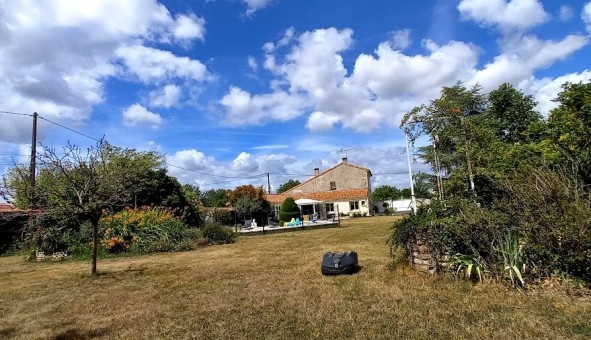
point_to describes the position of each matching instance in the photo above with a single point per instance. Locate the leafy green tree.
(247, 199)
(385, 192)
(246, 205)
(287, 185)
(289, 210)
(192, 193)
(512, 115)
(423, 184)
(570, 129)
(155, 188)
(215, 198)
(452, 122)
(86, 184)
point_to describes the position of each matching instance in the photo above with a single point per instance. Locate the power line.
(234, 180)
(67, 128)
(205, 173)
(87, 136)
(17, 113)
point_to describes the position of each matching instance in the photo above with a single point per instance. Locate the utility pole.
(32, 198)
(268, 184)
(412, 189)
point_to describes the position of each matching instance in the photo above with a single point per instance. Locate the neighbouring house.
(402, 205)
(345, 189)
(8, 208)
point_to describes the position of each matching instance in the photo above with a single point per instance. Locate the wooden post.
(338, 216)
(32, 171)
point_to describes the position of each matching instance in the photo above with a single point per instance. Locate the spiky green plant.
(512, 255)
(468, 266)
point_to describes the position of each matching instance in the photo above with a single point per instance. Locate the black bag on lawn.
(339, 263)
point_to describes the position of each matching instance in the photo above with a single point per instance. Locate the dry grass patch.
(270, 287)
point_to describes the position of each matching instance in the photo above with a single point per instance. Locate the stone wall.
(422, 260)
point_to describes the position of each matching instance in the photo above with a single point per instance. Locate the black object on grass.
(340, 263)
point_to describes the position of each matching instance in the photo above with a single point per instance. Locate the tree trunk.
(94, 245)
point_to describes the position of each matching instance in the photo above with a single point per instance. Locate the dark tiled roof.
(324, 196)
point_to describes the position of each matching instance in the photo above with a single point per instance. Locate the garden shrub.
(218, 215)
(12, 227)
(218, 234)
(552, 209)
(289, 210)
(548, 211)
(142, 230)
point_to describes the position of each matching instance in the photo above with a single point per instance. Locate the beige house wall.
(345, 177)
(345, 206)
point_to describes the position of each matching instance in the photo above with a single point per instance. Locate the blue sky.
(237, 88)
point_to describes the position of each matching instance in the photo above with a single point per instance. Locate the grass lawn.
(270, 287)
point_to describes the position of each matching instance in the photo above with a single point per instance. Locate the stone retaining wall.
(422, 260)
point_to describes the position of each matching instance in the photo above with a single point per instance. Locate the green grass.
(270, 287)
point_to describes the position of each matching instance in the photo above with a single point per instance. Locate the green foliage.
(552, 211)
(507, 176)
(512, 115)
(570, 129)
(222, 216)
(142, 230)
(287, 185)
(468, 266)
(513, 264)
(214, 198)
(246, 205)
(156, 188)
(289, 210)
(218, 234)
(385, 192)
(248, 200)
(12, 227)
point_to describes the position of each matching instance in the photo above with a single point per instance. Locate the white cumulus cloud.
(137, 114)
(401, 39)
(321, 122)
(506, 15)
(166, 97)
(56, 56)
(255, 5)
(152, 65)
(189, 27)
(586, 16)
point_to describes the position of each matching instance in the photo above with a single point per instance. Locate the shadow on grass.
(74, 333)
(6, 333)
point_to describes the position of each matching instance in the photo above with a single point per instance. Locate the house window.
(333, 185)
(354, 205)
(329, 207)
(363, 203)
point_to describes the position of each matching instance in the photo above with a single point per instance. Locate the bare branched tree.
(87, 183)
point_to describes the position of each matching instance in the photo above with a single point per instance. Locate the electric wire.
(17, 113)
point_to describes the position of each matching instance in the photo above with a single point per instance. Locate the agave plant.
(513, 264)
(468, 266)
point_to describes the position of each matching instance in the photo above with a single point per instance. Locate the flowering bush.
(142, 230)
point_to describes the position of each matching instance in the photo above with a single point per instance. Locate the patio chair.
(247, 224)
(298, 222)
(292, 222)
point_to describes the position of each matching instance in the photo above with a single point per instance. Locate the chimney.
(345, 160)
(316, 171)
